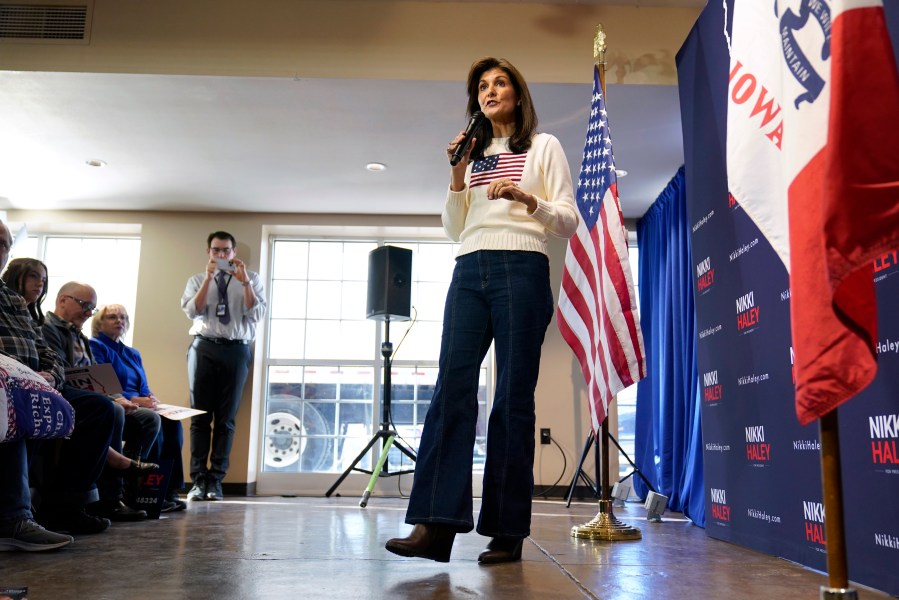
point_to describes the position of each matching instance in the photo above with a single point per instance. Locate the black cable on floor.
(399, 487)
(546, 492)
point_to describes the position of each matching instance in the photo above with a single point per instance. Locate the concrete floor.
(275, 548)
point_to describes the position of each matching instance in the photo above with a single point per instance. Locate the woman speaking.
(508, 190)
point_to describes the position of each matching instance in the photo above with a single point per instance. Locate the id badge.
(221, 309)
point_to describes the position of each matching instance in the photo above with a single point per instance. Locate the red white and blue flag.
(498, 166)
(597, 312)
(813, 158)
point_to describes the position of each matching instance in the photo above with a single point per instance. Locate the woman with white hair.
(108, 328)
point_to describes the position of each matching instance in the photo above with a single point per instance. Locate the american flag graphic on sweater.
(497, 166)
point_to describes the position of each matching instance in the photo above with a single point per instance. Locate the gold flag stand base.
(606, 527)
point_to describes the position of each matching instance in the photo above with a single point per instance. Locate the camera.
(224, 265)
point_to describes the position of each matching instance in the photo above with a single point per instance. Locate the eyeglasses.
(215, 250)
(85, 306)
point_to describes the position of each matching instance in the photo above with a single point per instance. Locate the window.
(626, 400)
(109, 264)
(324, 366)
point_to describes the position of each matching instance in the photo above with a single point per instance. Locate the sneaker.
(74, 521)
(214, 491)
(29, 536)
(198, 491)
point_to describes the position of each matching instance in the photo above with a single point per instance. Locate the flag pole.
(604, 526)
(835, 533)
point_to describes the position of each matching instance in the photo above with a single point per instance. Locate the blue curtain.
(668, 449)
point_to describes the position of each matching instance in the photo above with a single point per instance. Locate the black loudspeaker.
(389, 284)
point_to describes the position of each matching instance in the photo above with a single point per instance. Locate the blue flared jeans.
(499, 296)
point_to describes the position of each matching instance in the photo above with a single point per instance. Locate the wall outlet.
(545, 437)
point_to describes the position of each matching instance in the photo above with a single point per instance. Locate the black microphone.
(476, 119)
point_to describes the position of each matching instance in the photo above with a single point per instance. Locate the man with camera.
(225, 302)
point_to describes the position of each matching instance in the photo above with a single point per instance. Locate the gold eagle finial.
(599, 45)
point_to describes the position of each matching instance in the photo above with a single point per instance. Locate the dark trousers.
(15, 497)
(168, 447)
(83, 456)
(138, 431)
(502, 297)
(216, 374)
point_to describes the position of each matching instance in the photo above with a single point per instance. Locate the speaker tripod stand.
(385, 434)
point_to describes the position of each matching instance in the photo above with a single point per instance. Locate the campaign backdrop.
(762, 470)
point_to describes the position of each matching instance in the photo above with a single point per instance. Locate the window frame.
(43, 234)
(618, 464)
(275, 482)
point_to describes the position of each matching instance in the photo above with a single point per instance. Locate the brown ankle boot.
(427, 540)
(500, 550)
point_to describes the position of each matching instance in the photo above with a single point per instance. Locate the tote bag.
(29, 407)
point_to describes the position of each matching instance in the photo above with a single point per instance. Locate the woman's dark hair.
(15, 275)
(525, 115)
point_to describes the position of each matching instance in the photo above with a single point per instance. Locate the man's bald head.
(75, 302)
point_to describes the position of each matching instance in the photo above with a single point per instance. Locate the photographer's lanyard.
(221, 309)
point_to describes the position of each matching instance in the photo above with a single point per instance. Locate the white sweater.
(482, 224)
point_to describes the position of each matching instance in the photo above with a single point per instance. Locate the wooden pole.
(606, 488)
(599, 54)
(832, 481)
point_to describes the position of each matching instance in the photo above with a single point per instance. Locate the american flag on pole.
(813, 158)
(596, 313)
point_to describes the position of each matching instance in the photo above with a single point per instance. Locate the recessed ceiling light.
(620, 172)
(95, 162)
(376, 167)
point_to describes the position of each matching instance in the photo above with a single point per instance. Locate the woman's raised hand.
(457, 182)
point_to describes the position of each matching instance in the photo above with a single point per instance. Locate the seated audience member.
(136, 427)
(109, 326)
(21, 339)
(18, 529)
(28, 278)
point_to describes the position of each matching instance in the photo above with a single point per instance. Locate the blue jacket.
(125, 361)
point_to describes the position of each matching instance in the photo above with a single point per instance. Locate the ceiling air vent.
(45, 23)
